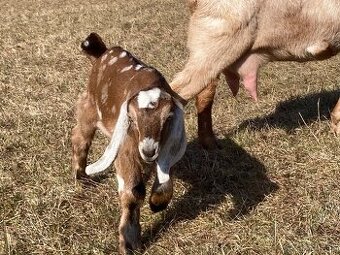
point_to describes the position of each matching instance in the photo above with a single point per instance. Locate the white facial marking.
(112, 61)
(120, 183)
(147, 99)
(127, 68)
(138, 67)
(123, 54)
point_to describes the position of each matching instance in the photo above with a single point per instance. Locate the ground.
(273, 188)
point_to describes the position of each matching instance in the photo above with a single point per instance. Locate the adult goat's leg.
(82, 134)
(335, 118)
(204, 102)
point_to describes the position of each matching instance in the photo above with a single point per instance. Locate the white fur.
(112, 61)
(127, 68)
(113, 109)
(121, 183)
(105, 93)
(104, 57)
(111, 151)
(123, 54)
(100, 115)
(138, 67)
(147, 99)
(174, 146)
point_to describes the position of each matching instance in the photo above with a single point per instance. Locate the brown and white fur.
(134, 106)
(237, 37)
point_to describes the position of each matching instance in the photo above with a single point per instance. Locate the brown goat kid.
(133, 105)
(237, 37)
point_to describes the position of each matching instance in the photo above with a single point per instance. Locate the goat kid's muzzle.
(148, 149)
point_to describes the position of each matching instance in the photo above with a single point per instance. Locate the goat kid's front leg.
(131, 190)
(82, 134)
(204, 102)
(161, 194)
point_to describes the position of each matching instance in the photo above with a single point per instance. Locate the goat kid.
(237, 37)
(133, 105)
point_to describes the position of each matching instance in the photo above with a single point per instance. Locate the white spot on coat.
(123, 54)
(121, 183)
(112, 61)
(100, 116)
(149, 69)
(105, 93)
(148, 98)
(127, 68)
(138, 67)
(104, 57)
(113, 109)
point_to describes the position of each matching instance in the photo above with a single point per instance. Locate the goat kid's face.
(150, 112)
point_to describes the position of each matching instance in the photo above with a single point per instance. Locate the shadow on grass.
(295, 112)
(211, 176)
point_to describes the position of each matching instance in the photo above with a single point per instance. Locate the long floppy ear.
(174, 147)
(117, 138)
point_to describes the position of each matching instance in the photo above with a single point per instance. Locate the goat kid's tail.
(93, 46)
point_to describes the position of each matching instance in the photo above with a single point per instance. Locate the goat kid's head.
(150, 112)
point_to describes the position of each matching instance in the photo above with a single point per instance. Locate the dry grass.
(272, 189)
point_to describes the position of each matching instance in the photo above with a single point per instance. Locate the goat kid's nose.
(149, 153)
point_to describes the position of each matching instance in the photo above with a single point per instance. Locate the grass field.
(272, 189)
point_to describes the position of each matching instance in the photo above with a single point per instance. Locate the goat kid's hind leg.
(204, 102)
(82, 134)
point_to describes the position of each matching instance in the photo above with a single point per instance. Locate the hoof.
(81, 175)
(160, 196)
(158, 208)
